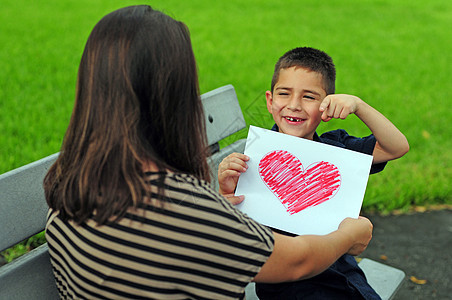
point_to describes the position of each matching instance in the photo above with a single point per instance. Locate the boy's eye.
(309, 97)
(283, 94)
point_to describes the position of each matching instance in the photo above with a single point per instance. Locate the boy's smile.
(295, 101)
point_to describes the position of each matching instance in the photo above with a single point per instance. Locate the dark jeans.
(343, 280)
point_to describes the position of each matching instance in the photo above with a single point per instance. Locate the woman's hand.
(359, 231)
(304, 256)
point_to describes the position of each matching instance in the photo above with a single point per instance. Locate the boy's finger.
(230, 173)
(344, 114)
(238, 167)
(234, 156)
(230, 161)
(325, 103)
(236, 163)
(329, 112)
(325, 117)
(337, 112)
(226, 175)
(239, 156)
(332, 106)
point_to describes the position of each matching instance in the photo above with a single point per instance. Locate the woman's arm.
(302, 257)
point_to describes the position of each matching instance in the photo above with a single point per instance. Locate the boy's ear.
(269, 97)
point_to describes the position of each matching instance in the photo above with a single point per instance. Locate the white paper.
(341, 176)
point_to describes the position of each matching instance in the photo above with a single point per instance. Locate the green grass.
(393, 54)
(29, 244)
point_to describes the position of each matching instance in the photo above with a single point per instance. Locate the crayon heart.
(295, 187)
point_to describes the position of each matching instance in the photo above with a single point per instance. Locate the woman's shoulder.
(177, 180)
(195, 197)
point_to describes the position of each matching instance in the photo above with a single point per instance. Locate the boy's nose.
(294, 104)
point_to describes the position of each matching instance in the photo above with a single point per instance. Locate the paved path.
(420, 244)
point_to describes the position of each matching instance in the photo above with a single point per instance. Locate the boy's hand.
(391, 143)
(338, 106)
(229, 172)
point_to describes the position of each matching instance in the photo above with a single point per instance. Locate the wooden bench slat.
(23, 206)
(222, 112)
(29, 277)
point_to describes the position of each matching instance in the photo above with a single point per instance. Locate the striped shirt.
(195, 246)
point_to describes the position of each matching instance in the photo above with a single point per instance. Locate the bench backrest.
(23, 207)
(23, 214)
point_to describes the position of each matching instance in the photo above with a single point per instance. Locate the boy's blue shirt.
(340, 138)
(344, 278)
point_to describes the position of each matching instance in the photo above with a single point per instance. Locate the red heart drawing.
(295, 187)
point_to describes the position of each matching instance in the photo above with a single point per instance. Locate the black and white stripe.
(194, 246)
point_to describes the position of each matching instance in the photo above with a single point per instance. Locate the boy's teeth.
(292, 119)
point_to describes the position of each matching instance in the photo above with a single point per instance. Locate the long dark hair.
(137, 101)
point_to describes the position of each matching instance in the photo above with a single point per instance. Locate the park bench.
(23, 211)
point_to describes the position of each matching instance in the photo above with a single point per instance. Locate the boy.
(301, 96)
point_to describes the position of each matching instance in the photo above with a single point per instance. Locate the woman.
(131, 212)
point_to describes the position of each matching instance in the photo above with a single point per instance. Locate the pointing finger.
(325, 103)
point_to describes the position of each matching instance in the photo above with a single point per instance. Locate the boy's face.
(295, 101)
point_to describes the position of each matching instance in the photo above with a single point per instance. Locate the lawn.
(393, 54)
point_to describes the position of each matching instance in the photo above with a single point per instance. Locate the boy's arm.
(229, 172)
(391, 143)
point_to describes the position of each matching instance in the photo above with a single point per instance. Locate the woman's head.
(137, 101)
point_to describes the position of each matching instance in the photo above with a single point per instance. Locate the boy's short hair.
(311, 59)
